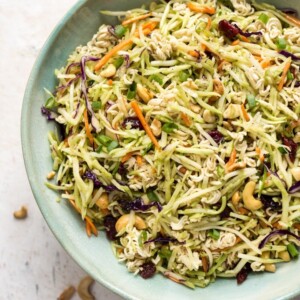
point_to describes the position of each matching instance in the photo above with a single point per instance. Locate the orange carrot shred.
(139, 160)
(208, 26)
(258, 58)
(147, 128)
(186, 119)
(111, 53)
(126, 157)
(265, 63)
(194, 53)
(236, 42)
(231, 159)
(109, 82)
(283, 76)
(135, 19)
(87, 127)
(260, 154)
(88, 229)
(294, 20)
(244, 39)
(201, 9)
(244, 112)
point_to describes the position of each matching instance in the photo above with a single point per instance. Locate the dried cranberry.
(243, 274)
(229, 30)
(122, 169)
(109, 224)
(126, 205)
(216, 135)
(293, 148)
(148, 269)
(225, 213)
(134, 122)
(268, 202)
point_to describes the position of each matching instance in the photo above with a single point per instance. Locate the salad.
(179, 138)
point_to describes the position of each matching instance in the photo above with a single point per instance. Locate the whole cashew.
(21, 213)
(84, 288)
(249, 201)
(124, 220)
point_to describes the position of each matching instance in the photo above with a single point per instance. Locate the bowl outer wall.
(94, 255)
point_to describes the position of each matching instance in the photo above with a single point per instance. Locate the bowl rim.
(25, 145)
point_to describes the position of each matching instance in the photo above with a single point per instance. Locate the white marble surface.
(33, 265)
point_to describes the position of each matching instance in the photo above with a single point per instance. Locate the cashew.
(218, 86)
(270, 268)
(236, 166)
(296, 173)
(122, 222)
(67, 294)
(249, 201)
(236, 197)
(208, 116)
(84, 288)
(156, 127)
(102, 202)
(284, 255)
(51, 175)
(233, 111)
(21, 213)
(296, 138)
(109, 71)
(143, 93)
(195, 108)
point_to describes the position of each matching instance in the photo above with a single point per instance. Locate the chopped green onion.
(103, 139)
(131, 91)
(112, 145)
(99, 149)
(120, 31)
(214, 234)
(281, 43)
(293, 251)
(251, 101)
(165, 252)
(90, 82)
(156, 78)
(264, 18)
(51, 103)
(289, 75)
(169, 127)
(118, 62)
(152, 196)
(96, 105)
(283, 150)
(183, 76)
(142, 238)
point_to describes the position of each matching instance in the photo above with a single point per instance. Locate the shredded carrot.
(258, 58)
(88, 229)
(109, 82)
(87, 219)
(147, 128)
(139, 160)
(244, 39)
(149, 27)
(294, 20)
(135, 19)
(186, 120)
(111, 53)
(260, 154)
(244, 112)
(126, 157)
(201, 9)
(208, 26)
(266, 63)
(203, 47)
(283, 76)
(231, 159)
(87, 127)
(236, 42)
(194, 53)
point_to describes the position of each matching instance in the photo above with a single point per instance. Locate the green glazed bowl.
(94, 255)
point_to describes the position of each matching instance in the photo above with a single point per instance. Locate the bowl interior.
(94, 254)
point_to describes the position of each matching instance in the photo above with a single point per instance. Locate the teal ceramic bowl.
(94, 255)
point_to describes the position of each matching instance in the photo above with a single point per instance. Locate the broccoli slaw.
(180, 131)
